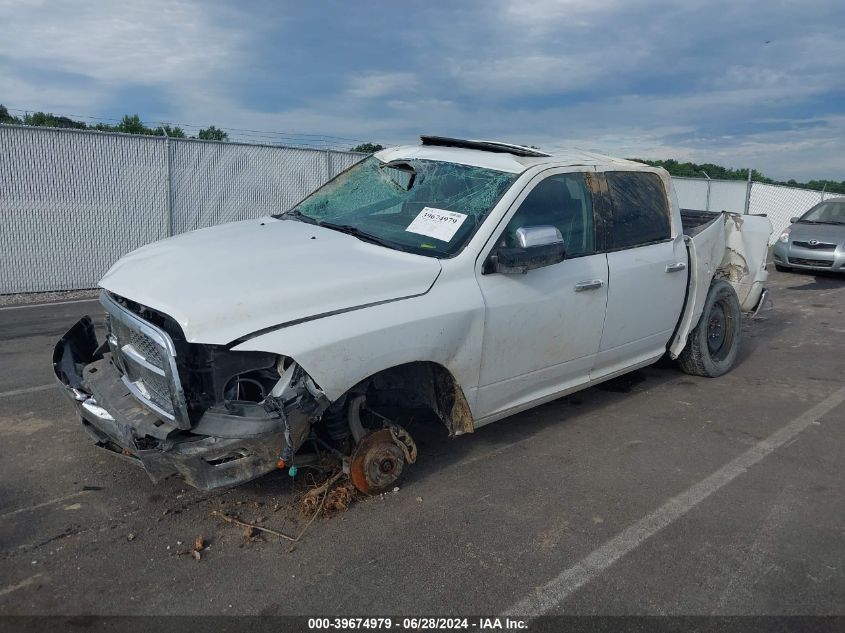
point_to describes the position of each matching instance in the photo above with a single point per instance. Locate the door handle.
(676, 267)
(593, 284)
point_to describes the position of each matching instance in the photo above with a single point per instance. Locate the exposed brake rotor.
(379, 458)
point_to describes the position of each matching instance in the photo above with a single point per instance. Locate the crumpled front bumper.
(117, 422)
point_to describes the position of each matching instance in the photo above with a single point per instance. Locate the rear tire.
(783, 269)
(713, 345)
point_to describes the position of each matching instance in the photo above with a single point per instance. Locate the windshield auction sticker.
(437, 223)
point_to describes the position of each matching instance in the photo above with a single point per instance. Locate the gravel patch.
(48, 297)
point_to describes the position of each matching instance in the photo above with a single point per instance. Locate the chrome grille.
(818, 246)
(149, 350)
(151, 384)
(146, 357)
(140, 342)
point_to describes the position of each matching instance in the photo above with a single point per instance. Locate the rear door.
(647, 263)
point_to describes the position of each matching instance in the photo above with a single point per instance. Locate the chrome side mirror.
(537, 246)
(530, 236)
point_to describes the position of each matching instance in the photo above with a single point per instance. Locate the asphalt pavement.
(657, 493)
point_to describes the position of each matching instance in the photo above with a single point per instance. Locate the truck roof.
(497, 155)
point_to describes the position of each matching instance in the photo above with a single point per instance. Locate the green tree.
(367, 148)
(213, 134)
(5, 117)
(719, 172)
(172, 132)
(47, 119)
(129, 124)
(132, 124)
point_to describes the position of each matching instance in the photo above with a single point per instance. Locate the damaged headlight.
(255, 385)
(216, 375)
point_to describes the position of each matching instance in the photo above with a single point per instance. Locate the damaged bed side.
(727, 246)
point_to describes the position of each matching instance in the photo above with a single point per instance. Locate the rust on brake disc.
(379, 458)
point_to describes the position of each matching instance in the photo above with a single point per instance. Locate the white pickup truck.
(467, 279)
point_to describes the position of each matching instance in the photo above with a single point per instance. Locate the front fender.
(444, 327)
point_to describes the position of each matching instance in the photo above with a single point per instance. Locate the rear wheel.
(713, 345)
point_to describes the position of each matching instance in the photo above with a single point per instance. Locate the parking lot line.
(550, 595)
(20, 585)
(44, 504)
(18, 392)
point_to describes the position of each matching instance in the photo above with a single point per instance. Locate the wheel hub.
(716, 329)
(377, 462)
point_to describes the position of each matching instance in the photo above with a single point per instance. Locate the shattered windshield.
(420, 206)
(832, 212)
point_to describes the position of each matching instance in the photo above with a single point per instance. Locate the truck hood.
(227, 282)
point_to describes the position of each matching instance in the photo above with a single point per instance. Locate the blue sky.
(690, 80)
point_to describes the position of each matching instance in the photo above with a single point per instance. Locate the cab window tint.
(564, 202)
(640, 209)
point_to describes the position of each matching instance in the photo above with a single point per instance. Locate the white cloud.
(375, 85)
(547, 15)
(544, 73)
(154, 41)
(177, 47)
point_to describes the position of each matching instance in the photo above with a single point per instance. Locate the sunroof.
(485, 146)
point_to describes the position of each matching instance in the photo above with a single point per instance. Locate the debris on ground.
(199, 546)
(195, 552)
(328, 498)
(340, 498)
(333, 494)
(250, 530)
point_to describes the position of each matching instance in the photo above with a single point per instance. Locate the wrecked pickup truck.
(467, 280)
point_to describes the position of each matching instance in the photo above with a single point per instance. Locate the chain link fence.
(73, 202)
(778, 202)
(782, 203)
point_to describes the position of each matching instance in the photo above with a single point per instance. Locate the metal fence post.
(823, 189)
(707, 203)
(169, 217)
(328, 165)
(748, 194)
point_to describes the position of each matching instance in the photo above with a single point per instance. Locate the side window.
(640, 209)
(562, 201)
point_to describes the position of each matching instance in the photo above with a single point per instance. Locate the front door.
(542, 329)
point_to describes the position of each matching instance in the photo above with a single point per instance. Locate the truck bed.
(727, 246)
(694, 221)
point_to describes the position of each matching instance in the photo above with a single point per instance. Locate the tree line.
(129, 124)
(718, 172)
(132, 124)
